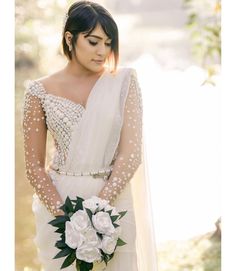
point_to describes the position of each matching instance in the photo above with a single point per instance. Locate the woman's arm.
(35, 134)
(130, 144)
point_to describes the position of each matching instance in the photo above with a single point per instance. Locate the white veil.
(146, 242)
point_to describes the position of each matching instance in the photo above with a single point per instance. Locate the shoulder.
(126, 70)
(126, 74)
(52, 80)
(37, 87)
(33, 88)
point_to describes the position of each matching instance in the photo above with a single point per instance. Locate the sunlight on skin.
(181, 125)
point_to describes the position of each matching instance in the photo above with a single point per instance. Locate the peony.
(88, 254)
(80, 220)
(94, 203)
(73, 238)
(102, 223)
(108, 244)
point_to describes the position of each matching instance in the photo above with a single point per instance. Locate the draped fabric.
(93, 145)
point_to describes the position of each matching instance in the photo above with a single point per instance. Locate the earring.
(70, 48)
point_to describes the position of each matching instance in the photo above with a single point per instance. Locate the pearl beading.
(44, 111)
(58, 115)
(129, 155)
(95, 174)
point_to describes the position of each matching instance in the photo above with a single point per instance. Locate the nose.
(101, 51)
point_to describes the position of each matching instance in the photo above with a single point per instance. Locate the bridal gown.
(104, 138)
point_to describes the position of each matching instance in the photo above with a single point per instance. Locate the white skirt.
(125, 257)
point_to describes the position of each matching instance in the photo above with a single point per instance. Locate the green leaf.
(100, 235)
(116, 225)
(59, 221)
(109, 212)
(78, 205)
(68, 204)
(63, 237)
(86, 266)
(97, 209)
(89, 212)
(122, 214)
(78, 262)
(60, 244)
(120, 242)
(60, 230)
(114, 217)
(69, 260)
(64, 252)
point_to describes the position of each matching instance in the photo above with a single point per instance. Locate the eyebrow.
(98, 37)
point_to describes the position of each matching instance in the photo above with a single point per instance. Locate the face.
(92, 51)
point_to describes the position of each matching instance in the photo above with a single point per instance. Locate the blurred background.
(175, 47)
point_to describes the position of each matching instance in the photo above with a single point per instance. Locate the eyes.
(94, 43)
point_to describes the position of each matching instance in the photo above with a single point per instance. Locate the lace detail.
(130, 146)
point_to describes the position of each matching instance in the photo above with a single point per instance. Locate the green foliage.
(122, 214)
(69, 260)
(204, 24)
(120, 242)
(201, 253)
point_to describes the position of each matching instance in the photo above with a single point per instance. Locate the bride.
(93, 110)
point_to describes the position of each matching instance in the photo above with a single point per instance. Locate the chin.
(97, 69)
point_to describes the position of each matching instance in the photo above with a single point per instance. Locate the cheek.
(84, 48)
(84, 53)
(108, 51)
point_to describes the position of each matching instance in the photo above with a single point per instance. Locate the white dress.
(105, 135)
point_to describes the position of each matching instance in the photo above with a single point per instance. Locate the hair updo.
(83, 17)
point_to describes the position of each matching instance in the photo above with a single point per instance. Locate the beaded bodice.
(61, 115)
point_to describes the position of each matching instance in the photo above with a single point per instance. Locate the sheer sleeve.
(130, 145)
(35, 134)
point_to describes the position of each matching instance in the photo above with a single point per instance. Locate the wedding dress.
(104, 138)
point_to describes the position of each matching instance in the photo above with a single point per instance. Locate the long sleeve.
(130, 145)
(35, 134)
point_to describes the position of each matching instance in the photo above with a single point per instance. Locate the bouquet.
(90, 231)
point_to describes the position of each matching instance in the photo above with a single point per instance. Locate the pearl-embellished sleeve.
(35, 134)
(130, 145)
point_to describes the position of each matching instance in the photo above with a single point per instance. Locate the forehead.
(98, 31)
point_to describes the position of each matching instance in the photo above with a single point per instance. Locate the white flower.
(102, 223)
(88, 254)
(108, 244)
(73, 238)
(116, 234)
(91, 237)
(114, 211)
(80, 220)
(93, 203)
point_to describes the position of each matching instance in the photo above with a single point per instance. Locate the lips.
(98, 61)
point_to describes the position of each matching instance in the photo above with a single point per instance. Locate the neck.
(77, 70)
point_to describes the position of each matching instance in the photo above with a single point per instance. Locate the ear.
(68, 38)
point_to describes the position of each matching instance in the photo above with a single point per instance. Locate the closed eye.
(93, 43)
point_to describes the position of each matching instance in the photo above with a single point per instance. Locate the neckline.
(69, 100)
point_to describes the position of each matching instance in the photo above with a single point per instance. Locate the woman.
(93, 110)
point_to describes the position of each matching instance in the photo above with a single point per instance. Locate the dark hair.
(83, 17)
